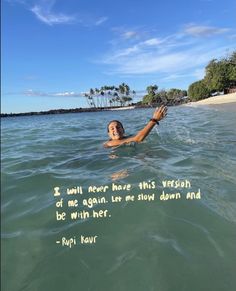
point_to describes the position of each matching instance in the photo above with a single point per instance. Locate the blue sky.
(54, 50)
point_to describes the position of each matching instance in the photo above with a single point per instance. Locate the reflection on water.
(119, 175)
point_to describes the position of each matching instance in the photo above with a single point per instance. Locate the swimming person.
(116, 130)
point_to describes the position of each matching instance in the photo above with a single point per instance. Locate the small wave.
(11, 234)
(121, 260)
(168, 241)
(206, 232)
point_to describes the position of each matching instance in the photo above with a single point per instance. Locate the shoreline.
(215, 100)
(74, 110)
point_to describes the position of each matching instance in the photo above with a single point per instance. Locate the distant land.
(96, 109)
(215, 100)
(80, 110)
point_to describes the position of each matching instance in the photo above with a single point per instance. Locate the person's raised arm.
(158, 115)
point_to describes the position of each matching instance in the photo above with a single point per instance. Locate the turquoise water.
(157, 245)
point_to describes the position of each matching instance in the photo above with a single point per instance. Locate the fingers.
(160, 112)
(163, 110)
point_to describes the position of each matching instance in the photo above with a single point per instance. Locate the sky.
(53, 50)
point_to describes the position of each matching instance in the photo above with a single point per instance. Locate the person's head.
(115, 129)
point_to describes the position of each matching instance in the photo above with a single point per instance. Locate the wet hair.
(117, 121)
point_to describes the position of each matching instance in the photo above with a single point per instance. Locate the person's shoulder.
(106, 144)
(113, 143)
(110, 143)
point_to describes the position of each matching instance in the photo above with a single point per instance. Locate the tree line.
(110, 96)
(220, 75)
(170, 97)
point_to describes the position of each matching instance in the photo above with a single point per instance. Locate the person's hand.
(160, 113)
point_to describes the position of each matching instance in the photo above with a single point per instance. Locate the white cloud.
(101, 20)
(153, 62)
(139, 47)
(121, 53)
(197, 73)
(31, 92)
(172, 77)
(198, 30)
(153, 41)
(69, 94)
(129, 34)
(45, 14)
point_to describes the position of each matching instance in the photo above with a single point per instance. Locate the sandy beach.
(219, 99)
(225, 102)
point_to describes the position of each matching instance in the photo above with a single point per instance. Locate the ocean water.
(157, 245)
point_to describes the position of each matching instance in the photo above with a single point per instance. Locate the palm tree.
(109, 95)
(152, 89)
(127, 90)
(121, 89)
(118, 99)
(110, 101)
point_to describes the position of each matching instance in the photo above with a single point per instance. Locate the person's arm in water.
(158, 115)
